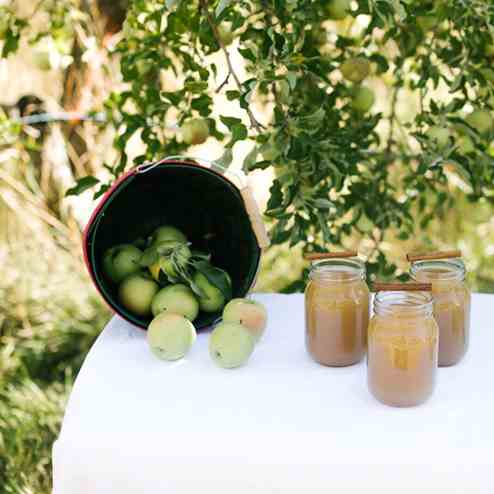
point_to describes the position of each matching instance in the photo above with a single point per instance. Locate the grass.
(49, 318)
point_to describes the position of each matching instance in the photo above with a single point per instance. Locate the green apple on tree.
(195, 131)
(488, 74)
(144, 66)
(439, 136)
(247, 312)
(319, 35)
(121, 261)
(480, 120)
(136, 293)
(213, 298)
(363, 99)
(225, 34)
(231, 345)
(489, 50)
(355, 69)
(170, 336)
(338, 9)
(177, 299)
(427, 22)
(465, 144)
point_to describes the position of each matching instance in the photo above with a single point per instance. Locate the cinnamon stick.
(401, 287)
(446, 254)
(315, 256)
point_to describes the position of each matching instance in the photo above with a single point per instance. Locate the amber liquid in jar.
(452, 302)
(337, 312)
(403, 348)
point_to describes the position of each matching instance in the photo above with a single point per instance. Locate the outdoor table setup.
(282, 423)
(195, 385)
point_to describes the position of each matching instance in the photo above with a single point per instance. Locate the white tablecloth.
(282, 424)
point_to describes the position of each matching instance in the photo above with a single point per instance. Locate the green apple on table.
(170, 336)
(231, 345)
(247, 312)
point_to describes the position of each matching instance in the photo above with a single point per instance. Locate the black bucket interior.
(203, 204)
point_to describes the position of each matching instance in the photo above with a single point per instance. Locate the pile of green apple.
(163, 274)
(163, 277)
(171, 335)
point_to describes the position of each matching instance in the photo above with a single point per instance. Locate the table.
(282, 424)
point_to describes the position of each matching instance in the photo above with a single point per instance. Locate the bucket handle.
(239, 179)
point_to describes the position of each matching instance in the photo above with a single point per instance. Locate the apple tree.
(331, 75)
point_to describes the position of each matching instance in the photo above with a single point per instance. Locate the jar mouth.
(338, 270)
(404, 303)
(438, 270)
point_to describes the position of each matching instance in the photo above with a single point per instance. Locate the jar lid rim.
(404, 301)
(449, 269)
(327, 268)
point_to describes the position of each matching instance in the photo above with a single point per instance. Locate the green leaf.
(230, 122)
(103, 188)
(239, 133)
(196, 86)
(198, 255)
(323, 204)
(232, 95)
(11, 43)
(225, 160)
(291, 77)
(217, 277)
(81, 185)
(250, 159)
(149, 256)
(248, 54)
(222, 5)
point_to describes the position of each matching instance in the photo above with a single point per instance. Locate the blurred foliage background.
(49, 312)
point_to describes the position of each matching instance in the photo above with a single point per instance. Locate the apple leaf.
(149, 257)
(82, 184)
(216, 276)
(197, 290)
(165, 249)
(222, 5)
(198, 255)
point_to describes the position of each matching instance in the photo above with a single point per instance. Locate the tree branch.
(231, 71)
(392, 118)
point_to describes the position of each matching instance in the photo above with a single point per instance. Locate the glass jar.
(403, 348)
(451, 305)
(337, 312)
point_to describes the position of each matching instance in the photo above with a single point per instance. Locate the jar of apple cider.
(403, 348)
(337, 311)
(451, 304)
